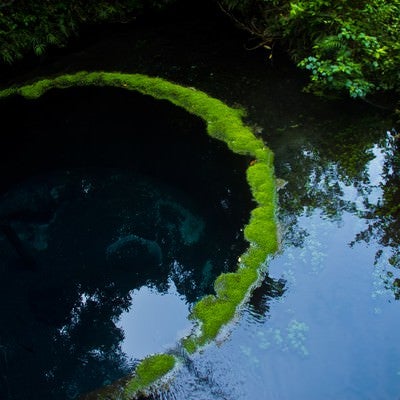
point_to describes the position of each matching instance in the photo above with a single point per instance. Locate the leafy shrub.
(347, 46)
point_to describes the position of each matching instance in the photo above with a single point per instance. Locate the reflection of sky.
(333, 335)
(154, 322)
(374, 168)
(352, 338)
(329, 337)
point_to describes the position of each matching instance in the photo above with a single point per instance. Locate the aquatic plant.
(214, 311)
(223, 123)
(296, 334)
(262, 231)
(149, 371)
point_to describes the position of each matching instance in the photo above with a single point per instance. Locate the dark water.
(118, 232)
(325, 322)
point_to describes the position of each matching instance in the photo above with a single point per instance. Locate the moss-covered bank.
(223, 123)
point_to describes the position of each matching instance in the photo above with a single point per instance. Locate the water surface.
(323, 324)
(106, 236)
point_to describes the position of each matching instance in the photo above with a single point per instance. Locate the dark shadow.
(107, 191)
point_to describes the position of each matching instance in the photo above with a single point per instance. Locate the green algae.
(224, 123)
(149, 371)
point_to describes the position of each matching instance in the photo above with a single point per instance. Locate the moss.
(262, 183)
(266, 156)
(36, 89)
(149, 371)
(190, 344)
(265, 213)
(7, 92)
(225, 124)
(254, 257)
(231, 286)
(263, 234)
(213, 312)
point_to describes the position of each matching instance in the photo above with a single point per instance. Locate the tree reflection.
(384, 216)
(322, 163)
(95, 235)
(318, 160)
(261, 297)
(118, 214)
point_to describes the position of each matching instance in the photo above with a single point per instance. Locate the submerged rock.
(76, 213)
(96, 236)
(128, 249)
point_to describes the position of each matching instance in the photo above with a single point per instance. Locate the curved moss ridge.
(223, 123)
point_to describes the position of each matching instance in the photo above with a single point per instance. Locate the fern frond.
(331, 44)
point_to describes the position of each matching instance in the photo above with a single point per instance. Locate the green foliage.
(347, 46)
(358, 51)
(149, 371)
(32, 26)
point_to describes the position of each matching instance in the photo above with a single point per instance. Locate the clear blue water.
(325, 321)
(157, 321)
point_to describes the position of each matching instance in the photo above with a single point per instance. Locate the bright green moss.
(261, 230)
(213, 312)
(254, 257)
(232, 286)
(262, 183)
(149, 371)
(266, 156)
(263, 234)
(190, 343)
(263, 213)
(225, 124)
